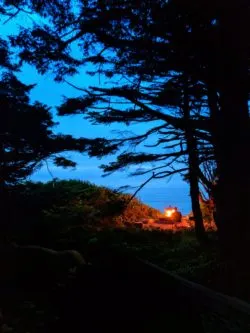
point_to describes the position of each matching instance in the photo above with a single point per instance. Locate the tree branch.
(140, 187)
(12, 16)
(130, 95)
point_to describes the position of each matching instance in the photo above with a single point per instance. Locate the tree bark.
(214, 116)
(3, 194)
(193, 162)
(194, 189)
(233, 141)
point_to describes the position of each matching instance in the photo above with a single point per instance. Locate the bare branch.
(165, 174)
(140, 187)
(142, 137)
(76, 87)
(141, 173)
(174, 121)
(12, 16)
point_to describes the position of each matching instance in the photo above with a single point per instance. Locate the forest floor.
(97, 298)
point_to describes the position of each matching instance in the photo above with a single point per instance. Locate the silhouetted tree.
(161, 93)
(194, 165)
(27, 139)
(145, 48)
(26, 133)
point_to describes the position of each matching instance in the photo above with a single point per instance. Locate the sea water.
(161, 198)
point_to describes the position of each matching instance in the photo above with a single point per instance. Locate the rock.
(35, 266)
(6, 329)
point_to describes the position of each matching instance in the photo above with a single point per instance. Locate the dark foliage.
(150, 51)
(44, 210)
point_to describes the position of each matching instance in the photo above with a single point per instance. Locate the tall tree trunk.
(214, 116)
(3, 196)
(233, 190)
(193, 162)
(194, 189)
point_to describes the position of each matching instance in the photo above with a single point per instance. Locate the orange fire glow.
(169, 212)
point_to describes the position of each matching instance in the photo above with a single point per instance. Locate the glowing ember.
(169, 212)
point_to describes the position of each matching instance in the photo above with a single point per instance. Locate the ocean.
(161, 198)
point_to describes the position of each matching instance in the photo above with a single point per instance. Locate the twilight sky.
(158, 194)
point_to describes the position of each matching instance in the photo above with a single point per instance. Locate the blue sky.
(158, 193)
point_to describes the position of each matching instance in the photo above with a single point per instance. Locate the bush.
(47, 209)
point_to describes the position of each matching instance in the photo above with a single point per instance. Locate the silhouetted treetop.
(27, 137)
(183, 65)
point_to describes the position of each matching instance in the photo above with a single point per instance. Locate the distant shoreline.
(161, 198)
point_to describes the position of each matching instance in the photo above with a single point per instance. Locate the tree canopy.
(27, 136)
(181, 66)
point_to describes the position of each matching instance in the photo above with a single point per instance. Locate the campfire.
(169, 212)
(172, 214)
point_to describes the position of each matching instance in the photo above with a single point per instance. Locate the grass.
(177, 252)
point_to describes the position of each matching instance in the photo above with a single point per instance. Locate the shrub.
(44, 210)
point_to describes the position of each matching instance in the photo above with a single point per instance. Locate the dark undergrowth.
(112, 289)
